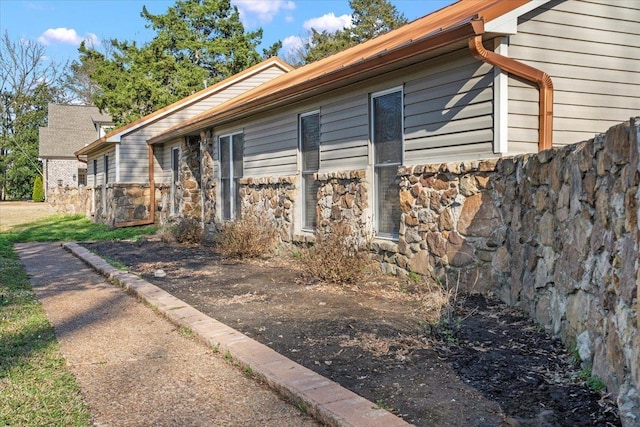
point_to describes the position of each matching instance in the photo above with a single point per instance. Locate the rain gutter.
(529, 73)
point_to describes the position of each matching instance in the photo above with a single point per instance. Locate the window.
(175, 159)
(386, 130)
(106, 169)
(82, 177)
(231, 168)
(309, 137)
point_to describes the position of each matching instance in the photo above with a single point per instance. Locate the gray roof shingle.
(70, 128)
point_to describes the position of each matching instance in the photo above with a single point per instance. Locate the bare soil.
(483, 364)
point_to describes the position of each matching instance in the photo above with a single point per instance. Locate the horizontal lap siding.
(100, 167)
(270, 146)
(449, 112)
(133, 151)
(344, 133)
(591, 50)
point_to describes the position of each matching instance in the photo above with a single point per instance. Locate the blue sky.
(62, 24)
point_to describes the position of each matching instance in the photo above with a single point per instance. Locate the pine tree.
(369, 19)
(38, 190)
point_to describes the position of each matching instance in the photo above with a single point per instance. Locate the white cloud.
(328, 22)
(66, 36)
(292, 44)
(263, 10)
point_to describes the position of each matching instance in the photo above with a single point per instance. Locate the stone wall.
(555, 233)
(342, 197)
(71, 200)
(273, 198)
(124, 202)
(188, 197)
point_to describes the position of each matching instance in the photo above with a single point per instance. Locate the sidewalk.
(137, 368)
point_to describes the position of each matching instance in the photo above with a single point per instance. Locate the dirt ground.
(15, 213)
(484, 365)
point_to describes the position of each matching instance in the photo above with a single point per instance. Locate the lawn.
(35, 384)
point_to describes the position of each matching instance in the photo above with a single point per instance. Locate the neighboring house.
(69, 128)
(119, 164)
(474, 80)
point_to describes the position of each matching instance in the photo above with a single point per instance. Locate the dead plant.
(187, 230)
(337, 256)
(251, 236)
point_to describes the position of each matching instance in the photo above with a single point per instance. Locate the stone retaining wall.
(555, 233)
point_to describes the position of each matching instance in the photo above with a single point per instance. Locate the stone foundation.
(273, 198)
(342, 197)
(555, 233)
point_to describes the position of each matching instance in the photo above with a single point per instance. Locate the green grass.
(59, 227)
(36, 388)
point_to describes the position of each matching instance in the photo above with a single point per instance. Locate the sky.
(60, 25)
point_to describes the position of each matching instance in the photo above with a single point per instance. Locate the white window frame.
(302, 173)
(372, 159)
(232, 186)
(175, 170)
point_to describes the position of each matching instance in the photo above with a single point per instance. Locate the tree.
(28, 82)
(369, 19)
(77, 84)
(38, 190)
(197, 42)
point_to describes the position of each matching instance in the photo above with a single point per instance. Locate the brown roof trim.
(97, 144)
(248, 103)
(529, 73)
(441, 28)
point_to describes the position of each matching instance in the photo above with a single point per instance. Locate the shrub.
(187, 230)
(251, 236)
(38, 190)
(338, 256)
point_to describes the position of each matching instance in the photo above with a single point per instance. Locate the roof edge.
(418, 46)
(115, 135)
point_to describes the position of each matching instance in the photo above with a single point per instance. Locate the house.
(474, 80)
(69, 128)
(120, 165)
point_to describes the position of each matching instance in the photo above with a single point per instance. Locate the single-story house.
(474, 80)
(69, 127)
(119, 163)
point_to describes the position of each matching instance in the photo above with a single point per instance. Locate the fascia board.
(507, 24)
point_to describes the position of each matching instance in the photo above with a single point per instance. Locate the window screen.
(386, 112)
(310, 150)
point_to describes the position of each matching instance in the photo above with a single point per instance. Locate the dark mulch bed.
(484, 365)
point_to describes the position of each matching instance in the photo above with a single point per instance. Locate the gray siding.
(270, 146)
(100, 167)
(591, 50)
(133, 151)
(449, 112)
(448, 115)
(344, 133)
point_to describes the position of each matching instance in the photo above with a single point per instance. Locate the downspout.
(152, 198)
(80, 160)
(529, 73)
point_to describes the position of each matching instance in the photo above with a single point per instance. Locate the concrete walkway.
(136, 368)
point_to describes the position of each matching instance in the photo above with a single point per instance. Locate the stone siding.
(555, 233)
(342, 197)
(272, 198)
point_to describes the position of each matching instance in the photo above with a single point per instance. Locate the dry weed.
(337, 256)
(251, 236)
